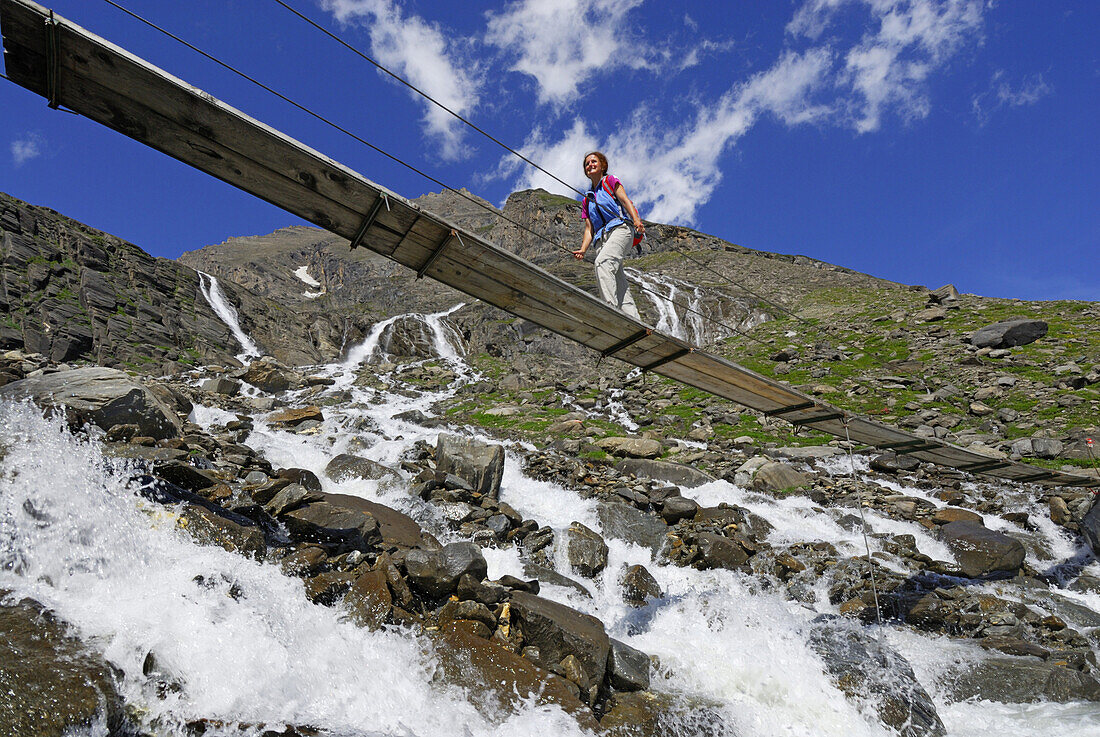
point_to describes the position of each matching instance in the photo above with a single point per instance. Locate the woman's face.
(592, 165)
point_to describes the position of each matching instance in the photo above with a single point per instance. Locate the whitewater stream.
(247, 647)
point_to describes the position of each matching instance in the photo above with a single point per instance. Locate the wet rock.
(480, 464)
(51, 685)
(630, 447)
(726, 516)
(586, 550)
(222, 385)
(670, 473)
(627, 667)
(347, 466)
(437, 572)
(329, 524)
(954, 514)
(1090, 528)
(892, 463)
(296, 416)
(1009, 333)
(398, 530)
(208, 528)
(865, 668)
(483, 666)
(1020, 681)
(676, 508)
(718, 551)
(639, 586)
(627, 523)
(558, 631)
(301, 476)
(291, 497)
(776, 476)
(269, 376)
(185, 475)
(102, 396)
(982, 552)
(649, 714)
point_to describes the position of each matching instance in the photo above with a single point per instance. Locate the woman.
(611, 220)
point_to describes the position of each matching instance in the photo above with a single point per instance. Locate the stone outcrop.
(1009, 333)
(102, 396)
(480, 464)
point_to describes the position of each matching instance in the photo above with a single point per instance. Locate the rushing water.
(214, 295)
(246, 646)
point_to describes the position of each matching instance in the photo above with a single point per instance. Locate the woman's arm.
(620, 194)
(586, 241)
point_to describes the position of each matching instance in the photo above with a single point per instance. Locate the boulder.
(330, 524)
(102, 396)
(222, 385)
(586, 550)
(982, 552)
(748, 523)
(347, 466)
(485, 667)
(398, 530)
(295, 416)
(627, 667)
(480, 464)
(558, 631)
(892, 463)
(776, 476)
(437, 572)
(945, 295)
(866, 669)
(718, 551)
(269, 377)
(1009, 333)
(208, 528)
(676, 508)
(948, 515)
(1020, 680)
(630, 447)
(670, 473)
(628, 523)
(639, 586)
(1090, 528)
(51, 685)
(369, 601)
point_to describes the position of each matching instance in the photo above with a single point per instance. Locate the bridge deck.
(88, 75)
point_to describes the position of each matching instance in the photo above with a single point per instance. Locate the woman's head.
(600, 161)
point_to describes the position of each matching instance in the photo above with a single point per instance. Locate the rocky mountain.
(73, 293)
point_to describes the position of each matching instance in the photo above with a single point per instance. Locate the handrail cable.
(395, 159)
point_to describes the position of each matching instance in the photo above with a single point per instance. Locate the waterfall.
(443, 339)
(228, 314)
(684, 310)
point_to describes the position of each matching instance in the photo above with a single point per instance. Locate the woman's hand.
(579, 254)
(639, 227)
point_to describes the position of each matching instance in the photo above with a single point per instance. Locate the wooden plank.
(95, 59)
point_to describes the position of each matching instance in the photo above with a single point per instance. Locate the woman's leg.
(610, 279)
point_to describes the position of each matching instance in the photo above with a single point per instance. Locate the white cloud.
(887, 70)
(26, 148)
(670, 174)
(418, 51)
(562, 44)
(1002, 94)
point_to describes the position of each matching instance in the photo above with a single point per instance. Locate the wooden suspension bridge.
(88, 75)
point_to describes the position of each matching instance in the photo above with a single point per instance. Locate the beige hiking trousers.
(614, 288)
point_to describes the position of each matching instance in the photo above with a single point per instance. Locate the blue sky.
(920, 141)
